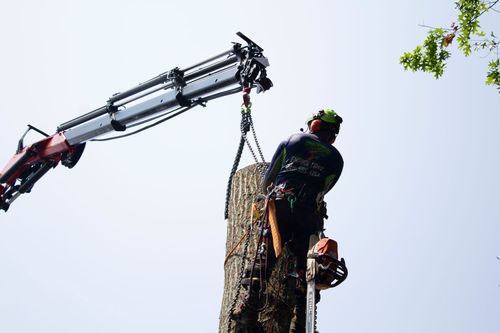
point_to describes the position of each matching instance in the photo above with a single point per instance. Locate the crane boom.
(164, 96)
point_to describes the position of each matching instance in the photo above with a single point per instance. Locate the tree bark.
(275, 316)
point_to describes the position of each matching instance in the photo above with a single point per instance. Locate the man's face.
(333, 136)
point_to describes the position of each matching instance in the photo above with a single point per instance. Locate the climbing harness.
(245, 126)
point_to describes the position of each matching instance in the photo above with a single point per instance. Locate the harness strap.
(273, 222)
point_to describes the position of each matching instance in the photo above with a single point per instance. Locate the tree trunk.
(275, 316)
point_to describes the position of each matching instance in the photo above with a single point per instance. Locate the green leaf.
(493, 76)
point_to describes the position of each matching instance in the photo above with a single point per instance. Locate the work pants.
(297, 223)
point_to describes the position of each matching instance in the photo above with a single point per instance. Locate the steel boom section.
(169, 100)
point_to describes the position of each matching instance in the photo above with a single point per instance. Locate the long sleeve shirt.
(307, 164)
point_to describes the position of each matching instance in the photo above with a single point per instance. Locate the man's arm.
(331, 180)
(274, 167)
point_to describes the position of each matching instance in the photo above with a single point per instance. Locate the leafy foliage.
(493, 77)
(432, 55)
(469, 12)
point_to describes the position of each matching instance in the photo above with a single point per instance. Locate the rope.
(235, 246)
(255, 215)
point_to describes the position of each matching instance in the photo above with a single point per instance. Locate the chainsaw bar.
(311, 307)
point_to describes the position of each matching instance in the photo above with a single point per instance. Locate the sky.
(132, 239)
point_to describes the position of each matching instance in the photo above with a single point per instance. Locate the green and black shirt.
(306, 164)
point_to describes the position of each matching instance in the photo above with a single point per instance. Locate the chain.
(247, 116)
(244, 129)
(315, 316)
(251, 150)
(245, 126)
(256, 141)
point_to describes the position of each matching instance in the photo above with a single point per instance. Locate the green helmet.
(326, 115)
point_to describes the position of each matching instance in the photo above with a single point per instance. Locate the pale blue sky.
(114, 245)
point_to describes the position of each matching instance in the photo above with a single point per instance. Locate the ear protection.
(315, 125)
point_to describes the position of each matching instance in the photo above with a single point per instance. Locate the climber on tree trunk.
(307, 166)
(303, 169)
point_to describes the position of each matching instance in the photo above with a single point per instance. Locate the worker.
(304, 168)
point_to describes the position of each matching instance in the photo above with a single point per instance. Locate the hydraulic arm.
(162, 97)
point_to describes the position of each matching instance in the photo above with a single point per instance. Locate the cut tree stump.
(275, 316)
